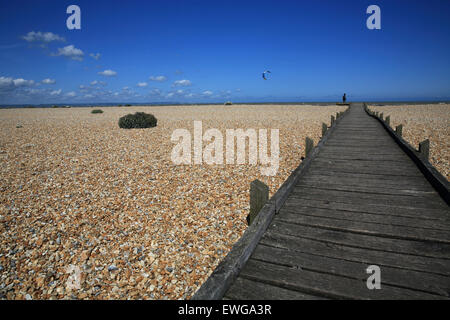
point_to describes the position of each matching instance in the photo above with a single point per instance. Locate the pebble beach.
(92, 211)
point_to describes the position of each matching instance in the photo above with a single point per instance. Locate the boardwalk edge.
(436, 179)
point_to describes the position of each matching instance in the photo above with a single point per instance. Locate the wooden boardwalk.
(361, 202)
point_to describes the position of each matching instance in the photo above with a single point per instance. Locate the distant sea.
(127, 104)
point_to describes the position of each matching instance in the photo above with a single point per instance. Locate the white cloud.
(48, 81)
(177, 93)
(181, 83)
(142, 84)
(207, 93)
(155, 92)
(22, 82)
(96, 82)
(70, 52)
(95, 56)
(71, 94)
(8, 84)
(45, 37)
(108, 73)
(56, 92)
(158, 78)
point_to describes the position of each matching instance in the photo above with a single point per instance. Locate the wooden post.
(381, 116)
(424, 149)
(309, 145)
(388, 120)
(332, 120)
(399, 130)
(259, 195)
(376, 113)
(324, 129)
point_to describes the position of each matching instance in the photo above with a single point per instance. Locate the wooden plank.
(362, 255)
(438, 238)
(367, 177)
(323, 284)
(406, 166)
(244, 289)
(370, 198)
(360, 156)
(367, 167)
(369, 150)
(393, 220)
(413, 280)
(259, 195)
(377, 208)
(340, 171)
(390, 190)
(376, 181)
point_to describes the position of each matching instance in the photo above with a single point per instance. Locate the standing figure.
(344, 98)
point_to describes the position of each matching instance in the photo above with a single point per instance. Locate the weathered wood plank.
(244, 289)
(366, 183)
(351, 253)
(344, 228)
(368, 177)
(391, 190)
(413, 280)
(369, 198)
(364, 207)
(393, 220)
(408, 167)
(322, 284)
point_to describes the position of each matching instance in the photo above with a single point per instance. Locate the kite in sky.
(265, 73)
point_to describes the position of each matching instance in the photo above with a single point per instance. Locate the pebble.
(112, 268)
(99, 192)
(28, 297)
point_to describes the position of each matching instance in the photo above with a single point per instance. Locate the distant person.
(344, 98)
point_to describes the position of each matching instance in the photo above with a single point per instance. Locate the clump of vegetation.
(137, 120)
(228, 103)
(97, 111)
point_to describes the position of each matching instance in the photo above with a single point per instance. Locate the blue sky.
(213, 51)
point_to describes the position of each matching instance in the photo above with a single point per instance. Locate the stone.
(112, 268)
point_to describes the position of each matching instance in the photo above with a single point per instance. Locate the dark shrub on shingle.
(137, 120)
